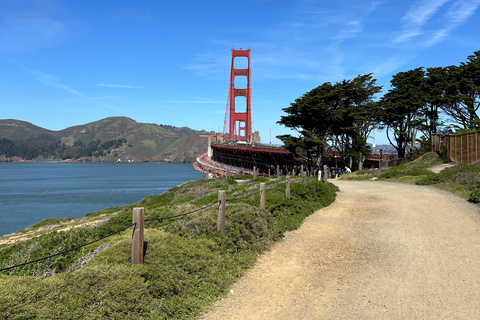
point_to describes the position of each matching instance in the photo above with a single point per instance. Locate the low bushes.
(187, 264)
(461, 177)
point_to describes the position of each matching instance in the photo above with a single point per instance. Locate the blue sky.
(65, 62)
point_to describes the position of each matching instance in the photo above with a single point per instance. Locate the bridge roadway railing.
(220, 168)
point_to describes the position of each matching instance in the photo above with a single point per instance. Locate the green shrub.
(187, 264)
(393, 172)
(463, 174)
(49, 222)
(443, 155)
(475, 196)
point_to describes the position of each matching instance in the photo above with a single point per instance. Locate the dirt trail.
(381, 251)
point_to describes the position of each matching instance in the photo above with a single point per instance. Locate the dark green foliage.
(475, 195)
(94, 148)
(43, 145)
(401, 108)
(443, 154)
(462, 91)
(50, 147)
(336, 116)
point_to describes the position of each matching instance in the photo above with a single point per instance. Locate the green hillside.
(20, 130)
(187, 264)
(143, 141)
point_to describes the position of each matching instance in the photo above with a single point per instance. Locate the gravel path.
(381, 251)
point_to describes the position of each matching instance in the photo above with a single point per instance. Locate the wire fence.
(68, 250)
(279, 186)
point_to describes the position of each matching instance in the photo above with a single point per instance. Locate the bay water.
(32, 192)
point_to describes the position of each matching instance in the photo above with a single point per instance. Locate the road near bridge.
(381, 251)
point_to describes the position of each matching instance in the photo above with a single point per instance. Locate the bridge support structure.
(239, 122)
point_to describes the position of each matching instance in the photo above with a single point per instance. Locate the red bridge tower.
(239, 125)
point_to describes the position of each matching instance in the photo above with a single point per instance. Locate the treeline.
(340, 117)
(49, 147)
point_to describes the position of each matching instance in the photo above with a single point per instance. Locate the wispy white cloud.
(461, 10)
(458, 13)
(118, 86)
(29, 27)
(418, 15)
(437, 36)
(349, 30)
(53, 81)
(306, 45)
(210, 64)
(112, 107)
(387, 67)
(417, 22)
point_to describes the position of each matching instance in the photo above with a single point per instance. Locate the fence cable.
(241, 198)
(133, 231)
(65, 251)
(279, 186)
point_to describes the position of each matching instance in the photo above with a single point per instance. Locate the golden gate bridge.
(237, 149)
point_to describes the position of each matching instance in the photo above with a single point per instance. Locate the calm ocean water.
(31, 192)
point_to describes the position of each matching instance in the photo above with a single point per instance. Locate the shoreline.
(79, 161)
(77, 190)
(72, 223)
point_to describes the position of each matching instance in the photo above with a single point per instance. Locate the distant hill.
(108, 140)
(20, 130)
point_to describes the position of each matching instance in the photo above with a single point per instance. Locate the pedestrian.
(347, 170)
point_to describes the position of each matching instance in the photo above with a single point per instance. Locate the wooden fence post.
(287, 190)
(221, 212)
(262, 195)
(461, 148)
(319, 175)
(227, 173)
(468, 149)
(278, 171)
(304, 175)
(325, 173)
(254, 171)
(137, 238)
(268, 173)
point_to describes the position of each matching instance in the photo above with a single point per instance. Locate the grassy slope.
(187, 265)
(20, 130)
(463, 180)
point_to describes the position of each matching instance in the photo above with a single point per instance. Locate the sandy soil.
(16, 237)
(440, 167)
(381, 251)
